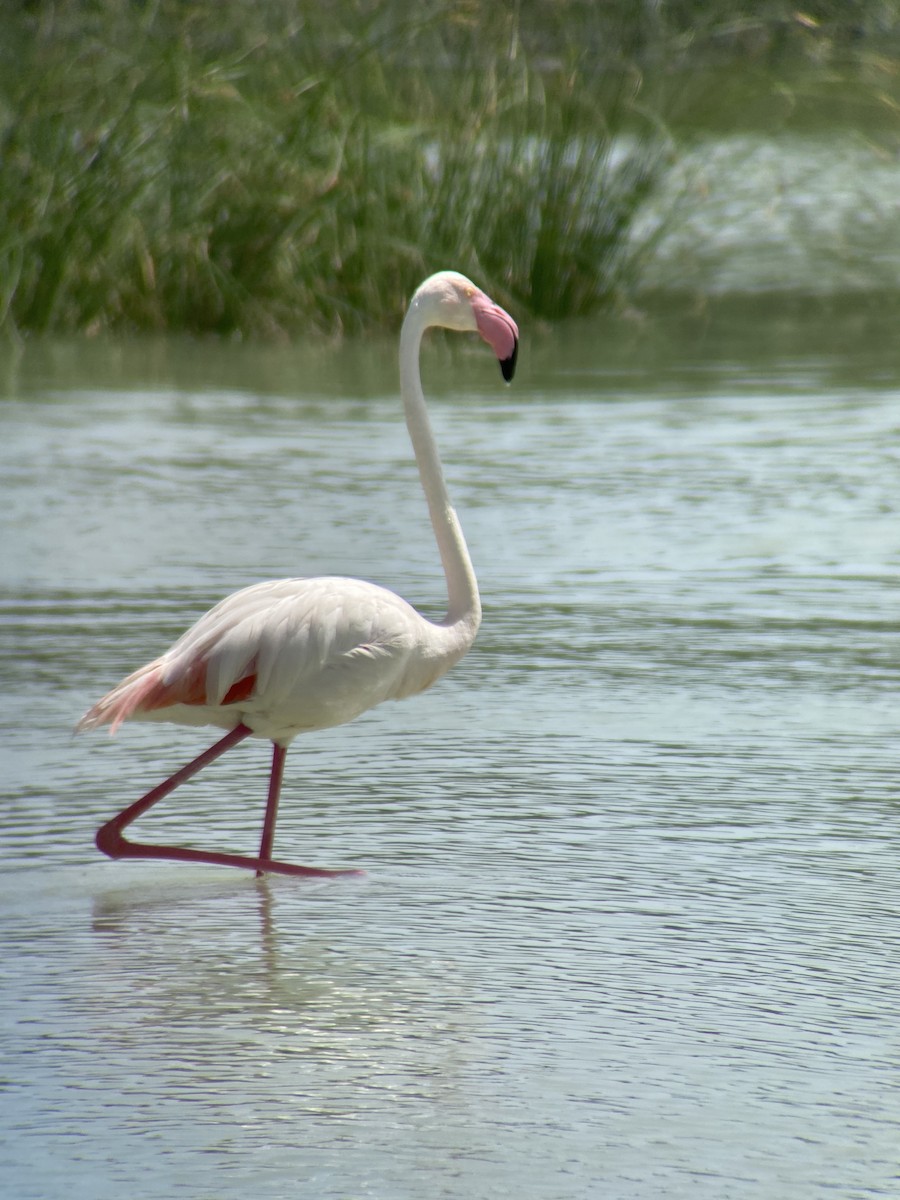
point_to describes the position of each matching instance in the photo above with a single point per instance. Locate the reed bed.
(263, 170)
(213, 166)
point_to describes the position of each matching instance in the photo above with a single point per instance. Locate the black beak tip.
(508, 365)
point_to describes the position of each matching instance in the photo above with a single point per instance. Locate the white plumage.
(292, 655)
(319, 651)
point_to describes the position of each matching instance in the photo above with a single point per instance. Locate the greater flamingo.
(280, 658)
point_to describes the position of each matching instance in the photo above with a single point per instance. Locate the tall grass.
(232, 168)
(259, 169)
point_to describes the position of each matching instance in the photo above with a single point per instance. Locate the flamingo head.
(454, 302)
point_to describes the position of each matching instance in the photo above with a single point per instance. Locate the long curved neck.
(462, 589)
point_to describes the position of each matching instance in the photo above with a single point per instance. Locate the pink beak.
(499, 330)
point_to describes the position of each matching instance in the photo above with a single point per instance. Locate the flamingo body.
(289, 656)
(292, 655)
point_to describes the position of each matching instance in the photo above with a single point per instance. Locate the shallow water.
(629, 926)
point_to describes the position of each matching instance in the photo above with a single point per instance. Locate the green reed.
(266, 169)
(243, 169)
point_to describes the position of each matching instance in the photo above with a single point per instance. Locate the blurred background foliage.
(218, 166)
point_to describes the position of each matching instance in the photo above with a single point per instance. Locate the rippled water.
(629, 926)
(811, 214)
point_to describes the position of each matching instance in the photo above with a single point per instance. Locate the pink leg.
(110, 841)
(279, 754)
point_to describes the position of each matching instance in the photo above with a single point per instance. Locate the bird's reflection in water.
(272, 962)
(191, 951)
(237, 904)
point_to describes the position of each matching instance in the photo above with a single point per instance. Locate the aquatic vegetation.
(214, 168)
(265, 169)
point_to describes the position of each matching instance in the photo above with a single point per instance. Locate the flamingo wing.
(282, 657)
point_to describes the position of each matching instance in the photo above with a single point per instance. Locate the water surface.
(629, 926)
